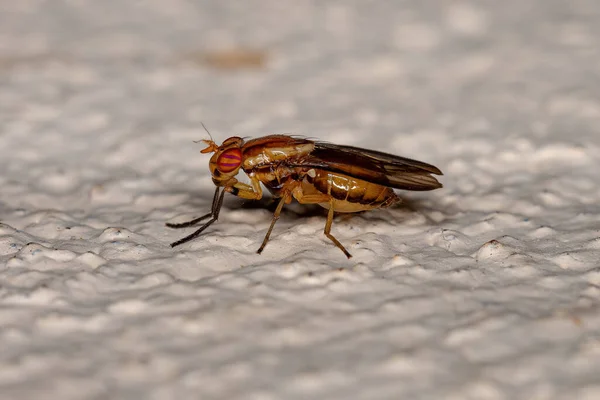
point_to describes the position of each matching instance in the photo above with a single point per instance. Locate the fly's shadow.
(267, 202)
(201, 202)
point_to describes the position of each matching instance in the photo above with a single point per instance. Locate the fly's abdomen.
(351, 194)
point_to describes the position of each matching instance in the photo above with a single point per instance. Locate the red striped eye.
(229, 160)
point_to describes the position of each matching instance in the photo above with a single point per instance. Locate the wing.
(372, 166)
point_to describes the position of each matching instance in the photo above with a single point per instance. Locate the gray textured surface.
(487, 289)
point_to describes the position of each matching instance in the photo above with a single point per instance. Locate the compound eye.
(229, 160)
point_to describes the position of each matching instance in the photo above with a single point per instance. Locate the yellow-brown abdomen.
(350, 194)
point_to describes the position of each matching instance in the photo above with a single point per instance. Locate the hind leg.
(321, 198)
(328, 230)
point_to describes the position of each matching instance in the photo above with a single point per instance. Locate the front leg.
(245, 191)
(213, 210)
(251, 192)
(214, 214)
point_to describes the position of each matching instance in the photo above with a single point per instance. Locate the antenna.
(212, 146)
(209, 135)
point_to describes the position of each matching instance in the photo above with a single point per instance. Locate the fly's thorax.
(274, 153)
(276, 178)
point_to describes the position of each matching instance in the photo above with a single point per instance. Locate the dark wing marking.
(372, 166)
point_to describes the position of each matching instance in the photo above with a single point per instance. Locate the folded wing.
(372, 166)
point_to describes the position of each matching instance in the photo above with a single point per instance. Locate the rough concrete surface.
(486, 289)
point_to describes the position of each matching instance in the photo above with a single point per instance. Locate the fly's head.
(226, 160)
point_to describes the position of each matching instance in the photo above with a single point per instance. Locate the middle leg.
(284, 199)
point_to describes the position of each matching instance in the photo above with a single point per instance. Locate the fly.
(339, 178)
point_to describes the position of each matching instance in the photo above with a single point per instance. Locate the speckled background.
(486, 289)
